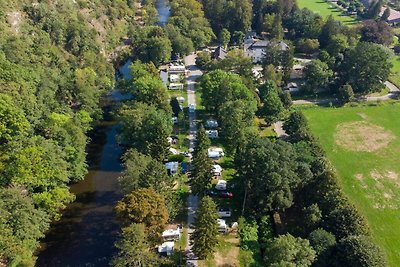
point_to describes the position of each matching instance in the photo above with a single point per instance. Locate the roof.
(393, 17)
(166, 247)
(261, 44)
(219, 53)
(172, 165)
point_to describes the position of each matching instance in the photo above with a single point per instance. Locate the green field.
(325, 9)
(395, 77)
(363, 144)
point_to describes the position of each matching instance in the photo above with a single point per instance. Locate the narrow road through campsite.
(192, 202)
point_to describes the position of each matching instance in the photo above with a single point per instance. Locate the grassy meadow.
(395, 76)
(363, 144)
(325, 9)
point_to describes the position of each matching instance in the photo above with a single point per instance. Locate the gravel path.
(192, 202)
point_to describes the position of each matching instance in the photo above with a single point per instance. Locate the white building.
(256, 49)
(176, 69)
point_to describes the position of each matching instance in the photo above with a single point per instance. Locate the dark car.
(225, 194)
(221, 194)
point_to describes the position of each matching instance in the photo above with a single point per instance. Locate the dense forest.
(54, 69)
(57, 62)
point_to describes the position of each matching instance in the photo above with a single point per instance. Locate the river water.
(86, 233)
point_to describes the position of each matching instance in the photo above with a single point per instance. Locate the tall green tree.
(145, 128)
(365, 67)
(133, 248)
(206, 233)
(202, 173)
(317, 75)
(144, 206)
(287, 250)
(359, 251)
(224, 37)
(272, 109)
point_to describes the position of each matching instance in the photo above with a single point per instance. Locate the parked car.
(224, 212)
(225, 194)
(192, 107)
(221, 194)
(221, 185)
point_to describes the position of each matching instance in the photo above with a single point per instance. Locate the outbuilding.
(212, 134)
(167, 248)
(211, 124)
(172, 167)
(175, 86)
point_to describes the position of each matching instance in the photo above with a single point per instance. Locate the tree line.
(53, 74)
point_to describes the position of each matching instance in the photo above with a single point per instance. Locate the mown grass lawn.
(325, 9)
(363, 144)
(395, 76)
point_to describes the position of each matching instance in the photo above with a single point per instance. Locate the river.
(86, 233)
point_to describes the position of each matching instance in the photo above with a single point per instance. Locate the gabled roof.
(261, 44)
(219, 53)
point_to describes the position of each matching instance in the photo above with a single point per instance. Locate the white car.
(221, 185)
(224, 212)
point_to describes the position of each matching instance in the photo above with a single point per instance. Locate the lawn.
(395, 76)
(363, 144)
(325, 9)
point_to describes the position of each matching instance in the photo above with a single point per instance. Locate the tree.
(317, 75)
(337, 45)
(236, 119)
(272, 74)
(287, 250)
(286, 99)
(206, 232)
(219, 87)
(224, 37)
(304, 23)
(202, 173)
(323, 243)
(376, 32)
(308, 46)
(359, 251)
(346, 93)
(277, 30)
(374, 9)
(330, 28)
(145, 128)
(365, 67)
(312, 216)
(272, 108)
(238, 38)
(346, 221)
(181, 45)
(236, 62)
(203, 60)
(269, 169)
(386, 14)
(296, 127)
(13, 123)
(144, 206)
(133, 248)
(21, 226)
(248, 234)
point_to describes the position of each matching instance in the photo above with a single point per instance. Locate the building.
(219, 53)
(394, 17)
(256, 49)
(176, 68)
(172, 234)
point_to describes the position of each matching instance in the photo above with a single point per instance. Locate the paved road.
(393, 94)
(278, 128)
(192, 202)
